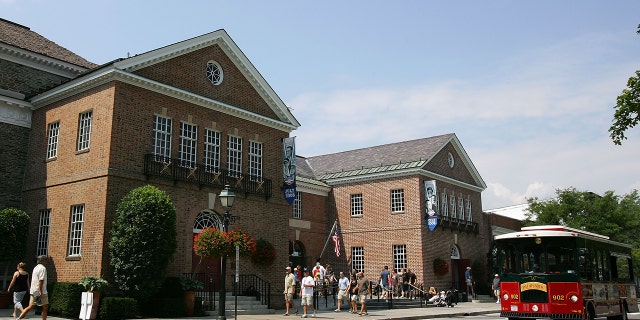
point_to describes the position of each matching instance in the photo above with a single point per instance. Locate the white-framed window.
(399, 256)
(76, 224)
(357, 258)
(453, 206)
(211, 150)
(356, 204)
(84, 130)
(234, 156)
(42, 247)
(188, 143)
(461, 207)
(445, 205)
(255, 161)
(397, 200)
(469, 215)
(297, 206)
(53, 133)
(162, 138)
(214, 72)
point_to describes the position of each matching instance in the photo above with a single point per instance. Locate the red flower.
(265, 253)
(214, 243)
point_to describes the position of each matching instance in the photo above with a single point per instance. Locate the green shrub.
(143, 240)
(65, 298)
(165, 308)
(114, 308)
(14, 229)
(160, 304)
(171, 288)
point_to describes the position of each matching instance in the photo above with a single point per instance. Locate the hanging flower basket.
(440, 267)
(244, 240)
(265, 253)
(213, 243)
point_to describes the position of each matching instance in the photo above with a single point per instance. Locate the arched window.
(455, 252)
(207, 219)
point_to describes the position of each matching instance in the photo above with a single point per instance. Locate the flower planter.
(90, 304)
(189, 303)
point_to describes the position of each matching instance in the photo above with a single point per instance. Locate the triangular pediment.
(428, 157)
(219, 47)
(270, 109)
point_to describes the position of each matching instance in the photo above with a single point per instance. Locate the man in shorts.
(38, 289)
(343, 290)
(468, 277)
(289, 289)
(306, 292)
(385, 277)
(364, 289)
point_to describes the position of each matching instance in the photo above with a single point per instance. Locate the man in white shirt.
(343, 290)
(306, 292)
(38, 290)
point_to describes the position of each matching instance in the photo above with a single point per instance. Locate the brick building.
(191, 118)
(377, 197)
(188, 118)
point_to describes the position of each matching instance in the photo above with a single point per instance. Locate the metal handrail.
(252, 285)
(205, 175)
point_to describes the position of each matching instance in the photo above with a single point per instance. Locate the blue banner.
(432, 222)
(289, 169)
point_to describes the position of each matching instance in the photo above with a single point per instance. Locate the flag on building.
(336, 242)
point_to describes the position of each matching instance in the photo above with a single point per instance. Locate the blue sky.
(527, 86)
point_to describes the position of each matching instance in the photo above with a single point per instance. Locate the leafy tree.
(627, 107)
(143, 240)
(14, 229)
(610, 215)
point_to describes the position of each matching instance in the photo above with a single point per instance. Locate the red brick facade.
(124, 96)
(121, 136)
(378, 229)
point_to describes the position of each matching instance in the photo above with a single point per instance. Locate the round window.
(214, 72)
(450, 160)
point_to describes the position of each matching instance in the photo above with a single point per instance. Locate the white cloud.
(538, 124)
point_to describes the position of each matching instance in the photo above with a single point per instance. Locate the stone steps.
(246, 305)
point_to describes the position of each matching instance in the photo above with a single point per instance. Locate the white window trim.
(53, 134)
(161, 145)
(85, 120)
(188, 144)
(76, 226)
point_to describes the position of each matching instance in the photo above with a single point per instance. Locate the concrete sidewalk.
(462, 309)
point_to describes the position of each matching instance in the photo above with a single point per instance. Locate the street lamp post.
(226, 198)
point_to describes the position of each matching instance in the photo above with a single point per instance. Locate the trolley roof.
(557, 231)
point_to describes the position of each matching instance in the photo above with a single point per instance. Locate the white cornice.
(16, 112)
(109, 74)
(313, 187)
(467, 162)
(222, 39)
(402, 174)
(39, 62)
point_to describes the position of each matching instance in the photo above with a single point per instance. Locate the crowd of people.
(352, 289)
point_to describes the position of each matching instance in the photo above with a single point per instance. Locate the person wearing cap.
(38, 289)
(469, 280)
(289, 289)
(495, 286)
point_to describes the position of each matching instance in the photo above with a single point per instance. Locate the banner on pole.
(431, 204)
(289, 169)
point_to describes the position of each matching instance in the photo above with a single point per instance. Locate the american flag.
(336, 242)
